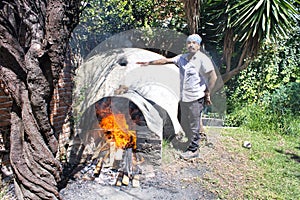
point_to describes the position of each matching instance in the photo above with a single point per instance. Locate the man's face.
(192, 46)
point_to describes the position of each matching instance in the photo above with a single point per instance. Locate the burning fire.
(117, 130)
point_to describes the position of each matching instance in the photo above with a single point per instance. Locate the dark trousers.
(190, 114)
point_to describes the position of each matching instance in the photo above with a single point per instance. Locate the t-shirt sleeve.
(176, 59)
(207, 64)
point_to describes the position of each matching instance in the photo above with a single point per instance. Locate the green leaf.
(259, 4)
(263, 22)
(268, 8)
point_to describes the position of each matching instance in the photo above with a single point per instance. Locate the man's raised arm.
(161, 61)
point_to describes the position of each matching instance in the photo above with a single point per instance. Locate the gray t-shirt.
(192, 81)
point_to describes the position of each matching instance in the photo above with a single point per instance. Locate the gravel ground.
(174, 179)
(180, 181)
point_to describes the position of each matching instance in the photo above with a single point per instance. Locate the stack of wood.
(122, 162)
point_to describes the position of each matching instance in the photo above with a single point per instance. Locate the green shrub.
(251, 116)
(285, 100)
(236, 117)
(266, 95)
(284, 106)
(276, 113)
(291, 125)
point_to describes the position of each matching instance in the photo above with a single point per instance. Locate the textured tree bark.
(192, 11)
(33, 41)
(249, 51)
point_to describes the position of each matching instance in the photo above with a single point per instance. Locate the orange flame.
(117, 130)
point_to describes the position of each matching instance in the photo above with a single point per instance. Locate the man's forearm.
(156, 62)
(212, 80)
(160, 61)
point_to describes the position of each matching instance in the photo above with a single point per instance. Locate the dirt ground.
(175, 180)
(216, 174)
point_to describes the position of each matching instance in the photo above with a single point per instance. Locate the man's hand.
(207, 100)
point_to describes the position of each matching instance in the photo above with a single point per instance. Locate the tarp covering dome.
(115, 74)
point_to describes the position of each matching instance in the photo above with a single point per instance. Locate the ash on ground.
(178, 179)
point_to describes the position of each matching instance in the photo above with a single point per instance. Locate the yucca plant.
(244, 25)
(262, 18)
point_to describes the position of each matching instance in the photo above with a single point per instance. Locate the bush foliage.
(265, 97)
(277, 113)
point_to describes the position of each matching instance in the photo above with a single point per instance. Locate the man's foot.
(189, 155)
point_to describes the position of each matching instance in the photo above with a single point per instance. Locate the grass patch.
(275, 160)
(270, 169)
(167, 152)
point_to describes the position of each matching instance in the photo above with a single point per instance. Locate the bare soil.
(217, 173)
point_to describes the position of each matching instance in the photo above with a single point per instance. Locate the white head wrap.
(194, 37)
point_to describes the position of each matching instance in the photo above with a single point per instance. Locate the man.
(197, 78)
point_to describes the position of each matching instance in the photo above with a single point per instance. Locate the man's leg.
(196, 108)
(202, 130)
(185, 117)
